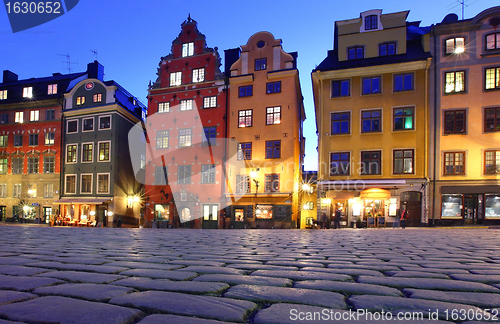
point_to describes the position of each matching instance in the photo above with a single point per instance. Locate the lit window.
(80, 101)
(104, 151)
(186, 104)
(17, 189)
(242, 183)
(272, 183)
(185, 137)
(198, 75)
(19, 117)
(491, 162)
(245, 118)
(97, 97)
(260, 64)
(48, 190)
(493, 41)
(244, 151)
(403, 161)
(102, 183)
(34, 115)
(3, 165)
(273, 115)
(454, 163)
(371, 22)
(188, 49)
(52, 89)
(87, 152)
(3, 94)
(71, 153)
(28, 92)
(32, 190)
(492, 78)
(70, 186)
(210, 102)
(403, 118)
(341, 88)
(455, 45)
(162, 139)
(355, 52)
(163, 107)
(175, 78)
(3, 190)
(455, 82)
(4, 140)
(17, 165)
(104, 122)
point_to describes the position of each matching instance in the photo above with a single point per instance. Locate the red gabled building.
(185, 133)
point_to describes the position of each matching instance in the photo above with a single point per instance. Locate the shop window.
(492, 206)
(451, 206)
(387, 49)
(162, 212)
(239, 215)
(210, 212)
(264, 212)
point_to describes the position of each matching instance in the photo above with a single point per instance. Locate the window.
(242, 183)
(72, 126)
(28, 92)
(403, 82)
(272, 183)
(3, 165)
(4, 140)
(455, 45)
(492, 42)
(491, 162)
(71, 184)
(87, 152)
(86, 183)
(403, 161)
(387, 49)
(188, 49)
(244, 151)
(4, 118)
(210, 102)
(104, 151)
(183, 174)
(18, 140)
(88, 124)
(492, 78)
(97, 97)
(209, 135)
(163, 107)
(17, 165)
(273, 149)
(208, 173)
(455, 82)
(32, 191)
(143, 161)
(371, 22)
(3, 190)
(160, 175)
(49, 164)
(341, 88)
(52, 89)
(185, 136)
(33, 139)
(50, 114)
(103, 183)
(48, 190)
(162, 139)
(3, 94)
(162, 212)
(104, 122)
(80, 101)
(34, 115)
(17, 189)
(371, 162)
(245, 91)
(19, 117)
(371, 85)
(371, 121)
(186, 104)
(273, 87)
(492, 119)
(245, 118)
(454, 121)
(340, 163)
(210, 212)
(261, 64)
(198, 75)
(355, 52)
(273, 115)
(175, 78)
(71, 153)
(33, 163)
(403, 118)
(454, 163)
(50, 138)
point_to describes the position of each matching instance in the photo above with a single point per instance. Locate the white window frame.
(52, 89)
(97, 188)
(186, 104)
(99, 149)
(91, 183)
(34, 190)
(66, 183)
(198, 75)
(188, 49)
(47, 140)
(3, 190)
(67, 127)
(17, 189)
(19, 117)
(210, 102)
(3, 94)
(175, 79)
(163, 107)
(28, 92)
(76, 153)
(110, 123)
(35, 115)
(183, 138)
(46, 192)
(81, 153)
(83, 120)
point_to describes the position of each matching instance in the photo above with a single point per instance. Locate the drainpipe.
(62, 102)
(224, 158)
(435, 127)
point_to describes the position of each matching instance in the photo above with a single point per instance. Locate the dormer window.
(28, 92)
(188, 49)
(355, 52)
(455, 45)
(371, 22)
(52, 89)
(387, 49)
(3, 94)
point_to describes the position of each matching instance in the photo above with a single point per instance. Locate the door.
(238, 217)
(210, 216)
(101, 215)
(3, 213)
(470, 209)
(47, 212)
(413, 202)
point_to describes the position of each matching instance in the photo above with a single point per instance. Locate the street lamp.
(253, 175)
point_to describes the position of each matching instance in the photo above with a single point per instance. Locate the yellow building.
(265, 120)
(465, 102)
(371, 104)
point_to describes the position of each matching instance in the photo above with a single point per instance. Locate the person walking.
(404, 216)
(395, 224)
(336, 220)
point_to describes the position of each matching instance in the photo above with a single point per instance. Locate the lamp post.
(253, 175)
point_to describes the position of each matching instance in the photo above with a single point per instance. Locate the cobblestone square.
(107, 275)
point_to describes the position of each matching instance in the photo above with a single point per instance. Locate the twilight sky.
(130, 36)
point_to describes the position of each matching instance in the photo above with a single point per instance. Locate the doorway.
(210, 217)
(412, 200)
(471, 209)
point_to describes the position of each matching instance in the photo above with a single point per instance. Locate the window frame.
(175, 79)
(48, 190)
(371, 119)
(18, 140)
(211, 101)
(340, 88)
(67, 126)
(50, 114)
(75, 159)
(4, 164)
(403, 89)
(496, 41)
(161, 175)
(243, 184)
(83, 124)
(19, 117)
(184, 169)
(162, 138)
(110, 122)
(496, 120)
(187, 49)
(97, 97)
(343, 171)
(273, 117)
(17, 165)
(496, 78)
(371, 160)
(260, 64)
(17, 189)
(403, 116)
(184, 137)
(34, 115)
(246, 117)
(244, 153)
(371, 92)
(356, 52)
(28, 92)
(273, 149)
(453, 163)
(52, 89)
(340, 121)
(91, 183)
(3, 94)
(272, 182)
(446, 53)
(245, 91)
(99, 151)
(447, 112)
(403, 160)
(200, 77)
(4, 118)
(33, 139)
(50, 165)
(369, 22)
(186, 105)
(496, 162)
(273, 87)
(80, 101)
(208, 172)
(210, 140)
(455, 80)
(4, 140)
(83, 145)
(33, 164)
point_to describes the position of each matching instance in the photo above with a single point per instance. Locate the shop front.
(84, 212)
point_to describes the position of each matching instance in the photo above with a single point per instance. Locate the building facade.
(30, 146)
(371, 104)
(465, 119)
(186, 129)
(99, 185)
(265, 119)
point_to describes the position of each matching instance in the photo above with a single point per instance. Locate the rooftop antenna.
(95, 53)
(68, 61)
(461, 3)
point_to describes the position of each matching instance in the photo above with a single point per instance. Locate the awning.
(375, 194)
(78, 201)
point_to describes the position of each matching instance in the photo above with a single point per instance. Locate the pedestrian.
(336, 220)
(324, 219)
(404, 216)
(395, 224)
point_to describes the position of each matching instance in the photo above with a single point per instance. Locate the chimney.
(95, 70)
(9, 76)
